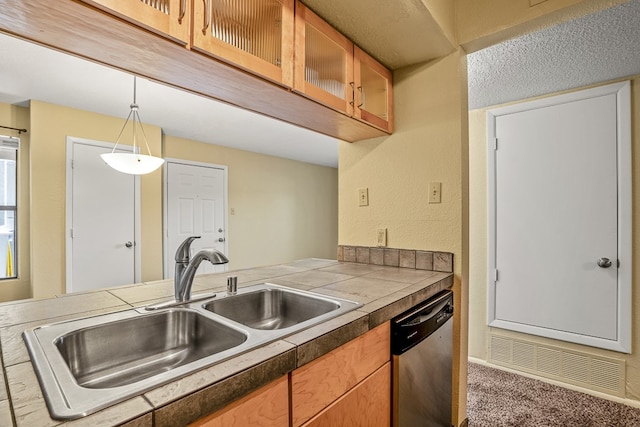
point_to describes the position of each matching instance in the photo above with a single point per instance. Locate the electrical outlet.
(382, 237)
(435, 192)
(363, 196)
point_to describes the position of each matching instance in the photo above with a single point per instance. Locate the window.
(8, 207)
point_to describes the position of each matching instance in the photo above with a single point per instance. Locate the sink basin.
(88, 364)
(85, 365)
(127, 351)
(272, 308)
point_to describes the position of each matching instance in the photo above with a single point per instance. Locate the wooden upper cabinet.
(169, 18)
(323, 62)
(373, 91)
(255, 35)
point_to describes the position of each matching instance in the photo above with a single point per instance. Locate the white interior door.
(101, 220)
(196, 206)
(555, 207)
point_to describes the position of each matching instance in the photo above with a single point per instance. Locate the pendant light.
(133, 163)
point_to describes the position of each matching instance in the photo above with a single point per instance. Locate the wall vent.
(500, 349)
(586, 370)
(524, 355)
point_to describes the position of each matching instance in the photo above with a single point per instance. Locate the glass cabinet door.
(256, 35)
(170, 18)
(323, 62)
(373, 94)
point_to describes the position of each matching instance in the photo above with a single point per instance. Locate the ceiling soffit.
(396, 33)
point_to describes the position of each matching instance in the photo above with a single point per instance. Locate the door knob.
(604, 262)
(221, 239)
(128, 244)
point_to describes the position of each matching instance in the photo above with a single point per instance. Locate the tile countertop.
(384, 291)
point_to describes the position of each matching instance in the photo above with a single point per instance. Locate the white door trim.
(165, 208)
(71, 140)
(622, 91)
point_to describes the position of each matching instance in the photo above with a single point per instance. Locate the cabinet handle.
(207, 16)
(353, 94)
(360, 90)
(183, 10)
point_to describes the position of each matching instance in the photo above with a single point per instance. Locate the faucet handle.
(183, 254)
(232, 285)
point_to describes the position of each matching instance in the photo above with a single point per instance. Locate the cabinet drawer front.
(319, 383)
(265, 407)
(367, 404)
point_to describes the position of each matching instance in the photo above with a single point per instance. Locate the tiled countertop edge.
(192, 397)
(296, 350)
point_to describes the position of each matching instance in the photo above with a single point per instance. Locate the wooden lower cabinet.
(349, 386)
(368, 404)
(322, 382)
(265, 407)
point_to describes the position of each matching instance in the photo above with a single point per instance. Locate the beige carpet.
(497, 398)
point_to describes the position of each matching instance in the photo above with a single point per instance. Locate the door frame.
(622, 90)
(71, 140)
(165, 209)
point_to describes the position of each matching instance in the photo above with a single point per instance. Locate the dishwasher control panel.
(417, 323)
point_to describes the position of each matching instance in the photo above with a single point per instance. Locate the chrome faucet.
(186, 267)
(186, 270)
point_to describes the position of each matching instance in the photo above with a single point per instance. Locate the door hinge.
(495, 275)
(72, 164)
(71, 232)
(495, 143)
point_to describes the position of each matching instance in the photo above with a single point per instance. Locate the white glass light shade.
(132, 163)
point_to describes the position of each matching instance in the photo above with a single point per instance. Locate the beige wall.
(284, 209)
(20, 288)
(50, 126)
(478, 329)
(429, 144)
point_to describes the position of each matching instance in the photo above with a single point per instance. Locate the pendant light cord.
(134, 115)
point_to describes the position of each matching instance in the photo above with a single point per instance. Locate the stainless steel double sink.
(88, 364)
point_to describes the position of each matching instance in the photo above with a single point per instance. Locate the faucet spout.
(184, 283)
(183, 256)
(186, 270)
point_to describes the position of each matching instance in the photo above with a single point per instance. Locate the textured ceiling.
(592, 49)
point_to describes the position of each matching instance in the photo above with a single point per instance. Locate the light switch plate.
(435, 192)
(382, 237)
(363, 197)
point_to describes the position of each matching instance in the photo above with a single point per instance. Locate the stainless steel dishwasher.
(421, 346)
